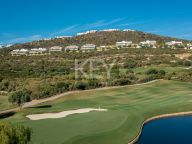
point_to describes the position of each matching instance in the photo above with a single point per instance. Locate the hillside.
(98, 38)
(46, 75)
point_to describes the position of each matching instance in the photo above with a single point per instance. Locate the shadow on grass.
(7, 115)
(43, 106)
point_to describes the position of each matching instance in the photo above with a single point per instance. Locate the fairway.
(127, 107)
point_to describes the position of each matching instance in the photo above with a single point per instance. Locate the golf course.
(127, 108)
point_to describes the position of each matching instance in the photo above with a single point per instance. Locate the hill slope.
(98, 38)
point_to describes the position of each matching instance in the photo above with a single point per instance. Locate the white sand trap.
(61, 114)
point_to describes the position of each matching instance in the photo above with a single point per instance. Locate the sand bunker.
(61, 114)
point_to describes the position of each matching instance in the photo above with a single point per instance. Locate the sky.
(28, 20)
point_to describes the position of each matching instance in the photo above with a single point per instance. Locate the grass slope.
(127, 108)
(4, 104)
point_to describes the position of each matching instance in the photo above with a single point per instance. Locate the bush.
(156, 73)
(20, 97)
(122, 82)
(130, 64)
(62, 87)
(152, 71)
(10, 134)
(187, 63)
(93, 83)
(148, 79)
(162, 72)
(46, 91)
(81, 85)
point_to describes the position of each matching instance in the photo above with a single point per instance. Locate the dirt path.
(37, 102)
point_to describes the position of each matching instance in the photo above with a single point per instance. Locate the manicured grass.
(127, 108)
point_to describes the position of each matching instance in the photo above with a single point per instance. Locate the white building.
(72, 48)
(37, 51)
(80, 34)
(87, 32)
(19, 52)
(123, 44)
(174, 43)
(88, 47)
(46, 39)
(189, 46)
(103, 46)
(56, 49)
(110, 30)
(148, 43)
(91, 31)
(62, 37)
(128, 30)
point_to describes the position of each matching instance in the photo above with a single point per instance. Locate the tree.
(162, 72)
(122, 82)
(130, 64)
(20, 97)
(82, 85)
(152, 71)
(187, 63)
(62, 86)
(10, 134)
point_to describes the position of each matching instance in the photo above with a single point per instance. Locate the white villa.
(37, 51)
(60, 37)
(110, 30)
(128, 30)
(148, 43)
(189, 46)
(124, 44)
(72, 48)
(56, 49)
(174, 43)
(88, 47)
(87, 32)
(19, 52)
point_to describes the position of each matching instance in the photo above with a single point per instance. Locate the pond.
(176, 130)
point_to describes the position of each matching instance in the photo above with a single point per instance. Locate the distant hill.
(98, 38)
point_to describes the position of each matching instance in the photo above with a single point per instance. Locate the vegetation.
(23, 79)
(45, 76)
(4, 102)
(127, 108)
(10, 134)
(20, 97)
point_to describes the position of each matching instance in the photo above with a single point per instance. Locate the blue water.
(177, 130)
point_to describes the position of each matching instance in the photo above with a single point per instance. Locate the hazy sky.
(27, 20)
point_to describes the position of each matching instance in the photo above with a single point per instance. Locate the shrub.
(130, 64)
(20, 97)
(122, 82)
(62, 87)
(152, 71)
(187, 63)
(10, 134)
(148, 79)
(82, 85)
(162, 72)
